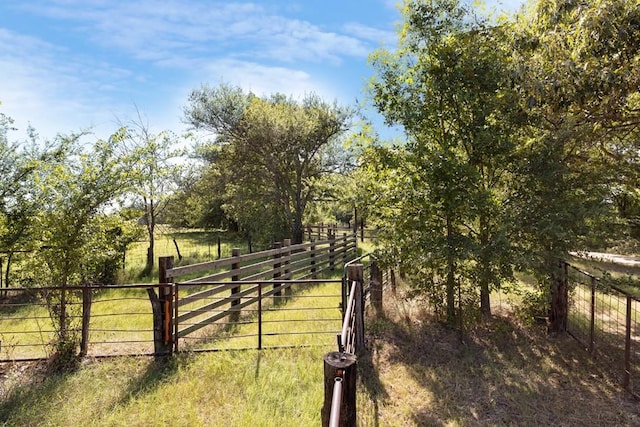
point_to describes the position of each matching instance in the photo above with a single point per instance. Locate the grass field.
(417, 372)
(237, 388)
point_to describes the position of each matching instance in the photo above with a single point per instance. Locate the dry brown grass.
(503, 373)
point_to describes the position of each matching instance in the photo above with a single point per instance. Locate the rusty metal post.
(260, 316)
(86, 317)
(592, 320)
(627, 348)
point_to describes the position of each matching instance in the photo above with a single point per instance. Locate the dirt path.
(628, 260)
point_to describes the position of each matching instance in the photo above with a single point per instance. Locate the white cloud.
(156, 30)
(168, 47)
(264, 80)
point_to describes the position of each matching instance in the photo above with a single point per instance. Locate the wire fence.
(605, 319)
(113, 319)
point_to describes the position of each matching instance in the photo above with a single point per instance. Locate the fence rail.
(340, 367)
(606, 320)
(161, 318)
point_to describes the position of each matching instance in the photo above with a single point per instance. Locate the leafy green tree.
(269, 153)
(154, 173)
(79, 241)
(576, 71)
(447, 84)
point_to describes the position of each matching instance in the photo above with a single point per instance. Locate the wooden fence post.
(312, 262)
(162, 305)
(332, 249)
(345, 246)
(86, 317)
(343, 366)
(276, 272)
(235, 315)
(355, 273)
(376, 288)
(287, 266)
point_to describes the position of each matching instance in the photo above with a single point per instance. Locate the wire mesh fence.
(606, 320)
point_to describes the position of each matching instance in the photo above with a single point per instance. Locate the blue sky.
(68, 65)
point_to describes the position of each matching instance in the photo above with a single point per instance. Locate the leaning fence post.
(393, 282)
(345, 246)
(235, 315)
(162, 305)
(342, 366)
(86, 317)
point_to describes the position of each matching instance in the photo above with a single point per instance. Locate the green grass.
(195, 246)
(238, 388)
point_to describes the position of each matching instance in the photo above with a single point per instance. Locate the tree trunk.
(451, 276)
(485, 270)
(298, 231)
(150, 255)
(559, 299)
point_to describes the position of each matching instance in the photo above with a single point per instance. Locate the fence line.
(340, 367)
(604, 318)
(148, 319)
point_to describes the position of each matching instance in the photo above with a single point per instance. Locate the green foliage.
(78, 242)
(267, 156)
(153, 174)
(448, 86)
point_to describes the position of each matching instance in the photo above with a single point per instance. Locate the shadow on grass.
(157, 372)
(30, 385)
(502, 374)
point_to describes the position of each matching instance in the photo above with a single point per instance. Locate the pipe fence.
(245, 298)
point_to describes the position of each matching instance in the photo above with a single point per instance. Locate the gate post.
(163, 309)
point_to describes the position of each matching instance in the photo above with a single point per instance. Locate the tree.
(19, 161)
(77, 238)
(448, 86)
(270, 152)
(154, 174)
(576, 72)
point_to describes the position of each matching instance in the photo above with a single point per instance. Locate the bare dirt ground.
(419, 373)
(628, 260)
